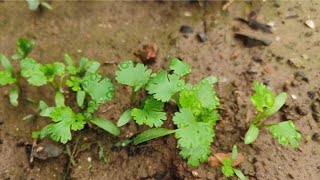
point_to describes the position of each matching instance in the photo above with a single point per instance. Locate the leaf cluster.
(91, 88)
(227, 169)
(197, 115)
(267, 104)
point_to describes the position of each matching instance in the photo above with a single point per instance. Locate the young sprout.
(267, 104)
(227, 169)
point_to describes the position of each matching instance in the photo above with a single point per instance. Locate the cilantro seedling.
(227, 169)
(84, 80)
(92, 90)
(197, 114)
(267, 104)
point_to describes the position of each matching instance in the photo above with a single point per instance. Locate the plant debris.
(254, 24)
(148, 53)
(216, 159)
(250, 40)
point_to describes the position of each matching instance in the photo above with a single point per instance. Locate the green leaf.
(59, 99)
(279, 101)
(163, 86)
(46, 5)
(135, 77)
(263, 97)
(151, 114)
(42, 105)
(227, 168)
(24, 48)
(205, 94)
(106, 125)
(90, 66)
(46, 112)
(151, 134)
(251, 134)
(31, 70)
(13, 95)
(64, 120)
(6, 78)
(100, 89)
(199, 97)
(6, 64)
(239, 174)
(124, 118)
(211, 79)
(286, 133)
(195, 138)
(59, 132)
(74, 83)
(179, 67)
(92, 106)
(33, 4)
(79, 122)
(70, 65)
(53, 70)
(234, 153)
(80, 98)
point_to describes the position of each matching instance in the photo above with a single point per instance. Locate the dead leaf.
(216, 159)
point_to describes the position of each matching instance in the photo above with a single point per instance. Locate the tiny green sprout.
(24, 48)
(267, 104)
(227, 169)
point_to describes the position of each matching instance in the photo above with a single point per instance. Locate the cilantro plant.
(227, 169)
(197, 103)
(91, 88)
(267, 104)
(8, 75)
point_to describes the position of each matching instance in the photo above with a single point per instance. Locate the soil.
(111, 32)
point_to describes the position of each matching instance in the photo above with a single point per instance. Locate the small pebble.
(195, 173)
(186, 29)
(257, 59)
(293, 96)
(310, 24)
(202, 37)
(311, 94)
(187, 13)
(316, 137)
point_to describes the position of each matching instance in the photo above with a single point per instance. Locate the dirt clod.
(301, 111)
(311, 94)
(316, 137)
(45, 151)
(148, 53)
(202, 37)
(186, 29)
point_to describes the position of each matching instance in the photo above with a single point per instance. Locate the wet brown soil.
(112, 31)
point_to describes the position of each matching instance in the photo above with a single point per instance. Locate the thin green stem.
(133, 96)
(257, 118)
